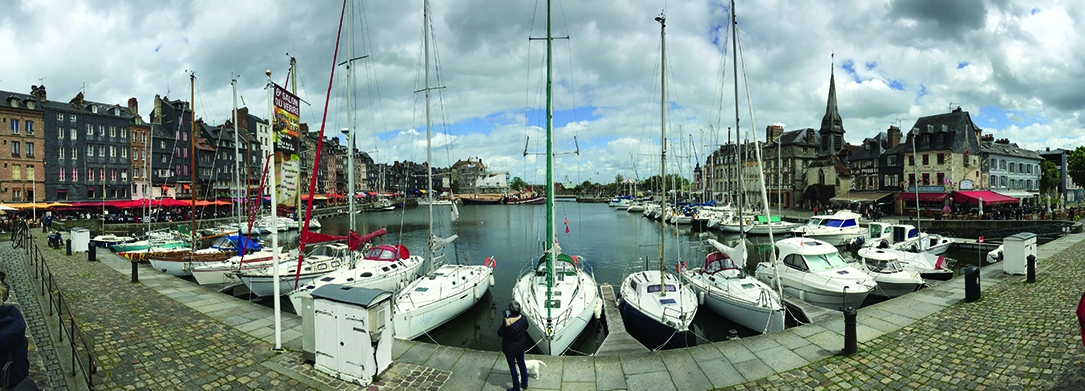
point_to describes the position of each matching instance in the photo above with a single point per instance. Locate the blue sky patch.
(849, 68)
(896, 85)
(871, 65)
(992, 117)
(962, 64)
(1034, 11)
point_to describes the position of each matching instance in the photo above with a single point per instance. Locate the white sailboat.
(557, 294)
(723, 286)
(654, 302)
(447, 291)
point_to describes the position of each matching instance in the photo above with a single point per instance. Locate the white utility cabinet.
(1016, 248)
(80, 240)
(353, 332)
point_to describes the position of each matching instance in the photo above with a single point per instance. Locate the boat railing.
(82, 355)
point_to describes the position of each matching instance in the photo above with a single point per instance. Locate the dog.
(533, 367)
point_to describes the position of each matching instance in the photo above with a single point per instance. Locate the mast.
(294, 90)
(237, 159)
(741, 160)
(350, 124)
(663, 141)
(551, 237)
(192, 154)
(275, 221)
(429, 146)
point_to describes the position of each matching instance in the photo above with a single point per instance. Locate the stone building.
(22, 172)
(1008, 169)
(89, 143)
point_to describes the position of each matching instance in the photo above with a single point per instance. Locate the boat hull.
(651, 333)
(413, 323)
(758, 318)
(263, 286)
(568, 326)
(892, 288)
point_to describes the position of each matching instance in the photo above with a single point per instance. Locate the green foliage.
(518, 184)
(1049, 178)
(1076, 165)
(673, 182)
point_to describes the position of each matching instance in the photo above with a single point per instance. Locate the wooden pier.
(618, 339)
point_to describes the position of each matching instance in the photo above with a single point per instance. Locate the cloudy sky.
(1015, 66)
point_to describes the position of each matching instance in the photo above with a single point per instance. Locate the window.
(90, 174)
(1001, 164)
(101, 130)
(911, 179)
(112, 174)
(61, 155)
(112, 131)
(29, 173)
(926, 178)
(1029, 183)
(75, 155)
(124, 152)
(16, 195)
(29, 128)
(891, 161)
(124, 132)
(14, 126)
(101, 151)
(926, 159)
(90, 192)
(15, 148)
(1002, 182)
(1021, 167)
(71, 118)
(112, 151)
(75, 174)
(16, 172)
(29, 149)
(1029, 168)
(60, 173)
(941, 158)
(101, 173)
(162, 145)
(941, 178)
(73, 134)
(90, 130)
(911, 160)
(124, 174)
(60, 133)
(1011, 168)
(184, 136)
(162, 158)
(60, 117)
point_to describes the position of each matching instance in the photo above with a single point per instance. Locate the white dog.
(533, 367)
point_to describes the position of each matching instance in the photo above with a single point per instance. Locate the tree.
(1075, 165)
(1049, 177)
(517, 184)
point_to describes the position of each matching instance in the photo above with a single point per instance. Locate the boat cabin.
(719, 262)
(387, 253)
(879, 261)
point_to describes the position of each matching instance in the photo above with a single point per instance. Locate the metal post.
(1030, 271)
(92, 253)
(850, 344)
(135, 272)
(68, 243)
(971, 283)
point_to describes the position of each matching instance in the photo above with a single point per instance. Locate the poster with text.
(285, 128)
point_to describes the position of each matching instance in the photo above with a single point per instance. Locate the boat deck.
(618, 339)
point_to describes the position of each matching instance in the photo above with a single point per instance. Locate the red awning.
(989, 197)
(925, 197)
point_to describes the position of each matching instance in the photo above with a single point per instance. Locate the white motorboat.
(620, 202)
(762, 226)
(283, 223)
(226, 271)
(893, 280)
(724, 287)
(835, 229)
(996, 255)
(107, 241)
(384, 267)
(929, 266)
(813, 271)
(325, 258)
(637, 206)
(907, 238)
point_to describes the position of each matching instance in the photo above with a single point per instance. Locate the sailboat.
(654, 302)
(723, 285)
(447, 291)
(557, 294)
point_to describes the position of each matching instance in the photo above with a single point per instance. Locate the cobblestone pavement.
(145, 340)
(45, 367)
(1018, 336)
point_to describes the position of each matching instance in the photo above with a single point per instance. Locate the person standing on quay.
(513, 333)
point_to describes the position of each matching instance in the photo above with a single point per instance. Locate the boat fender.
(678, 267)
(598, 309)
(700, 298)
(491, 280)
(490, 263)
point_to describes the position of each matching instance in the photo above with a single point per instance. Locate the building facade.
(1008, 169)
(90, 143)
(22, 176)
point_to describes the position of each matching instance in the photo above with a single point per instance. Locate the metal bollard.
(68, 243)
(1030, 270)
(92, 253)
(850, 345)
(135, 272)
(971, 284)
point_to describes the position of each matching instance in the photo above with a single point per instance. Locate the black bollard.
(971, 284)
(135, 272)
(1030, 271)
(850, 345)
(68, 242)
(91, 253)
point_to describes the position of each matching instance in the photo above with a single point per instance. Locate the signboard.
(928, 189)
(285, 128)
(966, 184)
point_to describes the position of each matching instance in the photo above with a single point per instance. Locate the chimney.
(242, 118)
(894, 136)
(772, 132)
(77, 100)
(810, 136)
(133, 105)
(38, 92)
(156, 117)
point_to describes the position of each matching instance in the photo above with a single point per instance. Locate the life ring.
(679, 266)
(576, 260)
(490, 263)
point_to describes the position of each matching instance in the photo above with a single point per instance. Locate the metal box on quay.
(353, 332)
(80, 239)
(1016, 249)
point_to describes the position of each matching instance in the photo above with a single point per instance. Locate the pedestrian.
(513, 333)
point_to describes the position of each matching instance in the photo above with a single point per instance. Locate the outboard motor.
(56, 240)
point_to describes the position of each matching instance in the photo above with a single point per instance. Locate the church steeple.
(832, 127)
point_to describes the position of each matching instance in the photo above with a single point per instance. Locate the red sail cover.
(1081, 317)
(353, 239)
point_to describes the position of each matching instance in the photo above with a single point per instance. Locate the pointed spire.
(832, 127)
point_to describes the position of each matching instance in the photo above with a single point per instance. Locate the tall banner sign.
(285, 130)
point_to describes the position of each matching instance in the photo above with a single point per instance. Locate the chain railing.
(82, 355)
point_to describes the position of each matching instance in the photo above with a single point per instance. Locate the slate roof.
(959, 134)
(1008, 150)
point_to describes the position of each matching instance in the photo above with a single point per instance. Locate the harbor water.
(611, 242)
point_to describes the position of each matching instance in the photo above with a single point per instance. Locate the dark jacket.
(513, 333)
(13, 341)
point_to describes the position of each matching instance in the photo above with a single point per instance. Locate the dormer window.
(94, 109)
(13, 101)
(945, 128)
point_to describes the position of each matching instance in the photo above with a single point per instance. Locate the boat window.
(366, 275)
(335, 263)
(822, 262)
(380, 253)
(421, 289)
(655, 288)
(384, 268)
(848, 223)
(393, 266)
(834, 223)
(667, 302)
(795, 261)
(322, 266)
(814, 222)
(913, 233)
(308, 268)
(633, 284)
(554, 304)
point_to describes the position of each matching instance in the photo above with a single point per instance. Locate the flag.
(566, 225)
(981, 239)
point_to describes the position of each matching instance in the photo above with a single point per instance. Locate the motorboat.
(907, 238)
(892, 278)
(763, 225)
(637, 206)
(383, 267)
(813, 271)
(929, 266)
(314, 223)
(723, 286)
(835, 229)
(996, 255)
(180, 261)
(109, 240)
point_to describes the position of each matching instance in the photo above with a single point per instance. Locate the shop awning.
(860, 197)
(1014, 194)
(989, 197)
(924, 197)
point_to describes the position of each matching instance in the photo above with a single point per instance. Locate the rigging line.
(372, 81)
(722, 76)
